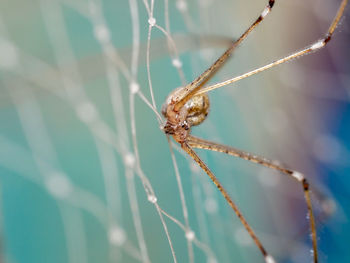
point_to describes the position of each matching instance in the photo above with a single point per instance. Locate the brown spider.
(189, 106)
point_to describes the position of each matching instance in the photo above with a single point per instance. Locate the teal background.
(297, 113)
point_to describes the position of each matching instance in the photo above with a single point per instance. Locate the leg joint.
(305, 184)
(327, 38)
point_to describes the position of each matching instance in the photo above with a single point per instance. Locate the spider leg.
(187, 148)
(307, 50)
(328, 208)
(204, 144)
(196, 84)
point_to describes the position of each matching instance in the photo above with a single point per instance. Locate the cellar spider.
(189, 106)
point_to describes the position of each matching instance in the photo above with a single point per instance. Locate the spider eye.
(185, 125)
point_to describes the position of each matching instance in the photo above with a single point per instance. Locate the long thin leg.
(328, 208)
(204, 144)
(206, 75)
(313, 47)
(189, 150)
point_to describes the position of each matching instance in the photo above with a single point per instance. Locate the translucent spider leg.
(186, 147)
(311, 48)
(195, 142)
(206, 75)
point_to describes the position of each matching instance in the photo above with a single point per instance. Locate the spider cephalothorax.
(193, 112)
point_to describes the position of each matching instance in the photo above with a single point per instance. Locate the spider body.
(192, 113)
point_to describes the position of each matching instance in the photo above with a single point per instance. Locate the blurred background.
(87, 175)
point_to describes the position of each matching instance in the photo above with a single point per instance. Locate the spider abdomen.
(197, 108)
(194, 111)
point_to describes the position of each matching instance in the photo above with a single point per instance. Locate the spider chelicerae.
(189, 106)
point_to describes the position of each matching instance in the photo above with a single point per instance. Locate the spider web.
(88, 176)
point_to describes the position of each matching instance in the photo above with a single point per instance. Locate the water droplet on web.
(152, 21)
(190, 235)
(152, 199)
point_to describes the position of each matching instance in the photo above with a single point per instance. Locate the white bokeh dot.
(177, 63)
(129, 160)
(58, 185)
(117, 236)
(102, 33)
(134, 87)
(87, 112)
(190, 235)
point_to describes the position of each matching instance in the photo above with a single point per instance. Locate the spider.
(189, 106)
